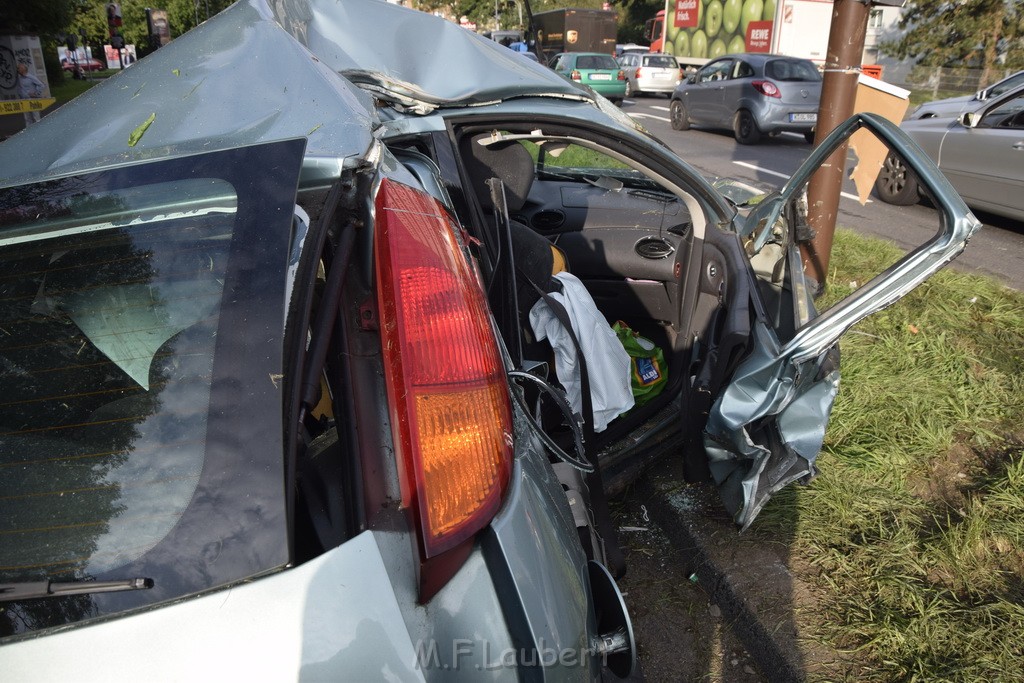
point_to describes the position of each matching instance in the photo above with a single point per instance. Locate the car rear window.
(791, 70)
(661, 61)
(596, 62)
(123, 406)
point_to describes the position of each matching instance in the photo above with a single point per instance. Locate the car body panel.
(545, 598)
(793, 384)
(88, 64)
(984, 163)
(951, 107)
(602, 79)
(524, 582)
(199, 91)
(309, 620)
(724, 86)
(659, 73)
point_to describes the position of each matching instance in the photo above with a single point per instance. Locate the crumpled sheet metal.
(425, 60)
(238, 79)
(768, 425)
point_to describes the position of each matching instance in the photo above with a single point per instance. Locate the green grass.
(915, 530)
(71, 88)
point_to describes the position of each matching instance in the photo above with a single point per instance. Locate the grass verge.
(70, 88)
(915, 531)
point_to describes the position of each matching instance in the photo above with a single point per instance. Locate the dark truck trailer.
(575, 30)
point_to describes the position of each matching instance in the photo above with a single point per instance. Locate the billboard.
(707, 29)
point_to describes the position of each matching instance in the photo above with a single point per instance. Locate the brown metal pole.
(838, 91)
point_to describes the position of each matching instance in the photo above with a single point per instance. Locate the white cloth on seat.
(608, 364)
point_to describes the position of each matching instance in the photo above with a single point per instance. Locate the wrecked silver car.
(308, 366)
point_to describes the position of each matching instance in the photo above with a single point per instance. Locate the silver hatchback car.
(652, 73)
(753, 94)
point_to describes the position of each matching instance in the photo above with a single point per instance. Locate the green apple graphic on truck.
(703, 29)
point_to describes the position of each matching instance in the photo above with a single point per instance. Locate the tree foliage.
(985, 34)
(632, 13)
(33, 16)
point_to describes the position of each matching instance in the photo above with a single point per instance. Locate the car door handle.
(1019, 145)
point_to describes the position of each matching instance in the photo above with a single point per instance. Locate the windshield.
(791, 70)
(1006, 85)
(661, 61)
(596, 62)
(141, 322)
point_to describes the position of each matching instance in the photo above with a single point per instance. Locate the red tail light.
(638, 70)
(766, 88)
(575, 75)
(450, 411)
(622, 75)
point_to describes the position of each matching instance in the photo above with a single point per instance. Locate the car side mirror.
(692, 78)
(969, 119)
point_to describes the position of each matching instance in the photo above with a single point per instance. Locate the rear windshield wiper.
(27, 590)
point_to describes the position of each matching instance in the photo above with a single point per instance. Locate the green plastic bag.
(650, 374)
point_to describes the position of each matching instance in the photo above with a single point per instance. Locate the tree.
(632, 16)
(32, 16)
(984, 34)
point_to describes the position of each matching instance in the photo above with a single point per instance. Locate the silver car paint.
(985, 165)
(653, 79)
(208, 90)
(715, 103)
(316, 621)
(792, 381)
(951, 107)
(352, 612)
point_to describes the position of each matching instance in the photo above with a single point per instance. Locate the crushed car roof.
(264, 71)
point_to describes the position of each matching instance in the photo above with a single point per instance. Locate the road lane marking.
(659, 108)
(754, 167)
(650, 116)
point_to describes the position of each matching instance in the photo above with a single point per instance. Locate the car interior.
(638, 240)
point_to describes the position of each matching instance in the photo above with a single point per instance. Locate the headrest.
(510, 162)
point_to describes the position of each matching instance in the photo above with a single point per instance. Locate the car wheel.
(629, 89)
(896, 184)
(809, 137)
(677, 114)
(745, 129)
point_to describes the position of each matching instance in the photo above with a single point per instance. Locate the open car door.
(767, 421)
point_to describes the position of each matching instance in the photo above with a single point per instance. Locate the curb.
(729, 566)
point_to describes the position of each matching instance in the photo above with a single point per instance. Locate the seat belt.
(616, 563)
(595, 484)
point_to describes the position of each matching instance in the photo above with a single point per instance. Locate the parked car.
(89, 64)
(751, 94)
(272, 390)
(650, 73)
(596, 70)
(981, 153)
(630, 48)
(952, 107)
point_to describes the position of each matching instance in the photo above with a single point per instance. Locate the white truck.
(705, 29)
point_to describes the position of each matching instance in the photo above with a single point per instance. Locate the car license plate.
(803, 118)
(600, 77)
(663, 76)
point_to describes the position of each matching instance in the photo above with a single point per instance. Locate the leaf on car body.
(137, 134)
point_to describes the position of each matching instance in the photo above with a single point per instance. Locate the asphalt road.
(994, 251)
